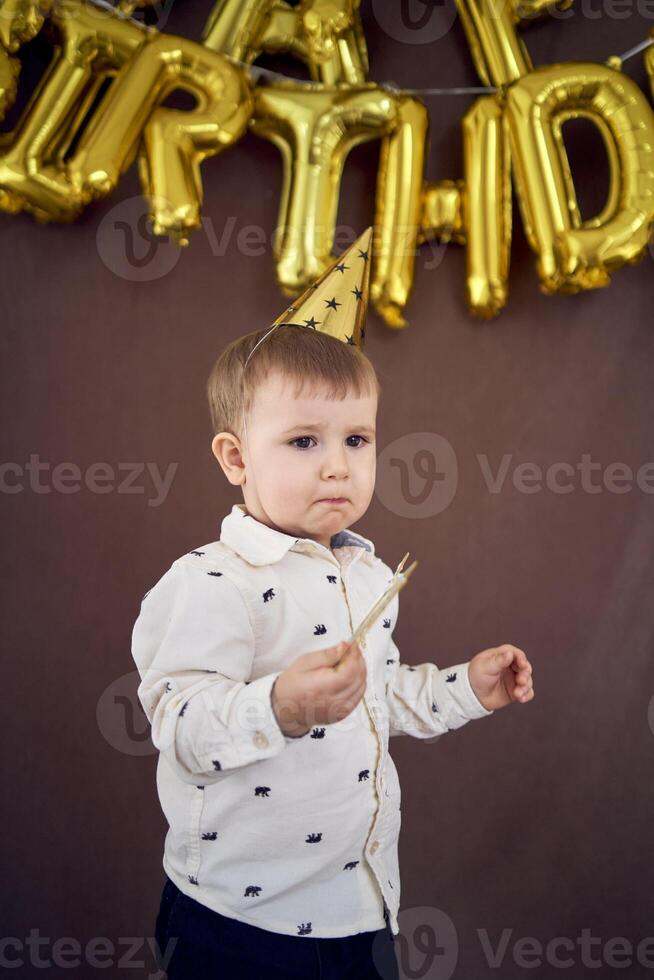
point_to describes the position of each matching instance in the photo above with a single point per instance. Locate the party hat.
(337, 302)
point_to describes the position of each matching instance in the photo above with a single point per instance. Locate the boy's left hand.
(501, 675)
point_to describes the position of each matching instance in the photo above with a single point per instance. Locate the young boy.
(274, 775)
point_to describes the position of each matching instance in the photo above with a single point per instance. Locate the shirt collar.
(263, 545)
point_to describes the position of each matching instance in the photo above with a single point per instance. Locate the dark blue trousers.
(197, 943)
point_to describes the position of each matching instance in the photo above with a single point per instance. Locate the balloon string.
(257, 71)
(463, 90)
(637, 49)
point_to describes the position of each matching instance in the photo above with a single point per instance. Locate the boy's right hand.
(311, 692)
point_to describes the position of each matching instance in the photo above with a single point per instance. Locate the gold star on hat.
(337, 302)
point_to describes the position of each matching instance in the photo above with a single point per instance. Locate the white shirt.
(294, 835)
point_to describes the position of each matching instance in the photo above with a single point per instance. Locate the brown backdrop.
(536, 821)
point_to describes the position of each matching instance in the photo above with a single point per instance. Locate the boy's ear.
(226, 447)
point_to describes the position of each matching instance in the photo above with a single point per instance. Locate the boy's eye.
(302, 439)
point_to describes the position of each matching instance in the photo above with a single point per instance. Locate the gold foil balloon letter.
(324, 34)
(92, 42)
(315, 127)
(487, 206)
(576, 254)
(175, 142)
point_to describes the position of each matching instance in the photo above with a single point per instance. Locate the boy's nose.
(335, 475)
(335, 467)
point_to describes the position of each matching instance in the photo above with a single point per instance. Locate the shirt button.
(374, 846)
(260, 740)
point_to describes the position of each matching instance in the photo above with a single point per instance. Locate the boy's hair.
(301, 354)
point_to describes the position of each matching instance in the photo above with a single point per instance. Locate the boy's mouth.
(333, 500)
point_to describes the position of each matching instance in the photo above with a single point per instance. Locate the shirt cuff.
(255, 733)
(462, 693)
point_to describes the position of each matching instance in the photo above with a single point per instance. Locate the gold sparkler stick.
(399, 580)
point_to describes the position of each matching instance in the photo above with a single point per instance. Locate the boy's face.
(300, 452)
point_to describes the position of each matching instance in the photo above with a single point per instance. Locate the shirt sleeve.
(193, 644)
(425, 700)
